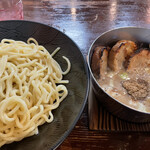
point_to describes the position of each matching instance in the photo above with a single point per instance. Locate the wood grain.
(100, 119)
(83, 21)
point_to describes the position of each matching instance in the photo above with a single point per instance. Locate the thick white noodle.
(30, 88)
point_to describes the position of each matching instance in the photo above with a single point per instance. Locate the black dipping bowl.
(67, 114)
(139, 35)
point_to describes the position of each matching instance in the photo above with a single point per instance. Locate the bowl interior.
(66, 115)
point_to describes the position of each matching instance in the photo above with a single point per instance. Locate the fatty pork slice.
(99, 61)
(121, 51)
(139, 60)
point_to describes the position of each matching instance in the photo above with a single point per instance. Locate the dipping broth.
(123, 72)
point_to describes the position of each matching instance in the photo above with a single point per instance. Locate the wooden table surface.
(83, 21)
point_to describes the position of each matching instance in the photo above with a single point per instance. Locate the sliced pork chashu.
(99, 60)
(121, 51)
(141, 59)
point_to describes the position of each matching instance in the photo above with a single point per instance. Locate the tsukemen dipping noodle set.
(41, 67)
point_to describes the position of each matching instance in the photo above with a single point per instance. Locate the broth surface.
(112, 84)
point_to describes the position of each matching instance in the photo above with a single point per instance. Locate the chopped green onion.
(124, 76)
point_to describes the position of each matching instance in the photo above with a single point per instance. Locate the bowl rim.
(65, 134)
(92, 75)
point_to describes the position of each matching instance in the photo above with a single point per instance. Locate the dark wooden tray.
(101, 119)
